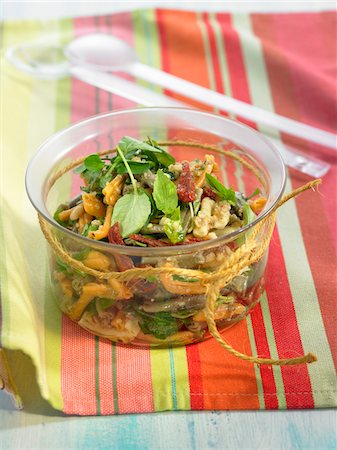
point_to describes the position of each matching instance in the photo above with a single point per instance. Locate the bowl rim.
(173, 250)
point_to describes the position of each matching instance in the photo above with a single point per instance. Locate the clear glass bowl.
(161, 309)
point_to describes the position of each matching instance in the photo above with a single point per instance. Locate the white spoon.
(108, 53)
(104, 52)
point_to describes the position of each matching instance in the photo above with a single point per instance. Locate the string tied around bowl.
(245, 255)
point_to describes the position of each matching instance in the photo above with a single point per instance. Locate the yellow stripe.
(181, 378)
(161, 379)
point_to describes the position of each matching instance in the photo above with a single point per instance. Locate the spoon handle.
(143, 96)
(223, 102)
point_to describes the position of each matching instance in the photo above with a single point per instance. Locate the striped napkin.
(280, 62)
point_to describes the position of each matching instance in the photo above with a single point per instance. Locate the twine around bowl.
(245, 255)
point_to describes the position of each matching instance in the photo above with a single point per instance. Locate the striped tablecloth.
(280, 62)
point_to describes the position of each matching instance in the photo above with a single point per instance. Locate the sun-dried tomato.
(186, 184)
(114, 235)
(208, 192)
(151, 242)
(123, 262)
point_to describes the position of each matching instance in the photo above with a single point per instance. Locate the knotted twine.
(250, 252)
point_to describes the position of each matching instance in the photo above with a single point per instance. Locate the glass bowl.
(163, 301)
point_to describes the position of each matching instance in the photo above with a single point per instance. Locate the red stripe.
(287, 336)
(322, 208)
(194, 377)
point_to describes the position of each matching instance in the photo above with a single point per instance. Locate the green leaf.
(93, 163)
(248, 214)
(173, 227)
(184, 278)
(81, 255)
(104, 303)
(132, 212)
(80, 169)
(165, 193)
(161, 325)
(56, 216)
(256, 192)
(136, 167)
(223, 192)
(130, 146)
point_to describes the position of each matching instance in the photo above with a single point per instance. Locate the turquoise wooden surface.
(41, 427)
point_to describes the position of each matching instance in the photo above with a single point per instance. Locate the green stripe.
(173, 380)
(98, 395)
(182, 379)
(114, 377)
(161, 379)
(207, 49)
(146, 42)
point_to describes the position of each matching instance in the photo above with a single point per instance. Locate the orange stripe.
(187, 40)
(228, 382)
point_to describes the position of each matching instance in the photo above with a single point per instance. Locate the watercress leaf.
(165, 158)
(104, 180)
(161, 324)
(93, 163)
(130, 146)
(132, 212)
(165, 193)
(136, 167)
(223, 192)
(173, 227)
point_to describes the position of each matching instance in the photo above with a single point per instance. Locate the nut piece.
(212, 215)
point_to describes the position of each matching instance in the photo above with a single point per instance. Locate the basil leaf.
(173, 227)
(223, 192)
(165, 193)
(135, 166)
(93, 163)
(132, 212)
